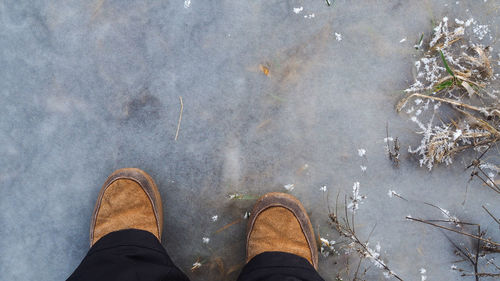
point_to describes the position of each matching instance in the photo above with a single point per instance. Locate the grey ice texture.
(87, 87)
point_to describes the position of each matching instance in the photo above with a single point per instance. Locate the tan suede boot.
(128, 199)
(280, 223)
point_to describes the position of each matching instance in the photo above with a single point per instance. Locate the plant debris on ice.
(454, 100)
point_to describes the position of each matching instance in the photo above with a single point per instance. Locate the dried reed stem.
(180, 119)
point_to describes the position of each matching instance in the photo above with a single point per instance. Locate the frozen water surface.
(87, 87)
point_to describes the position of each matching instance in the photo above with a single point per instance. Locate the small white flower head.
(289, 186)
(323, 188)
(215, 218)
(205, 240)
(338, 36)
(361, 152)
(298, 10)
(363, 168)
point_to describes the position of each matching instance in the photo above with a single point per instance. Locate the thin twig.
(453, 230)
(491, 215)
(445, 100)
(180, 118)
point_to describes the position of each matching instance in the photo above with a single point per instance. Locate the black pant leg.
(127, 255)
(272, 266)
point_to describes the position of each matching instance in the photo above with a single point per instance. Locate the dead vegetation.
(474, 248)
(454, 92)
(352, 244)
(392, 147)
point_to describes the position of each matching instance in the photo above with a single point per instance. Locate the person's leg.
(125, 233)
(280, 242)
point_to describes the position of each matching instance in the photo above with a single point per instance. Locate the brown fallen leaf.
(264, 69)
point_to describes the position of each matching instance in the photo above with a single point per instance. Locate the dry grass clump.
(453, 92)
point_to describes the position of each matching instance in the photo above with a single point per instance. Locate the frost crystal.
(205, 240)
(323, 188)
(392, 193)
(338, 36)
(356, 198)
(422, 274)
(361, 152)
(298, 10)
(196, 265)
(327, 247)
(289, 186)
(215, 218)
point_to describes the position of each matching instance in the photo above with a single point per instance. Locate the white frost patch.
(323, 188)
(402, 40)
(422, 274)
(289, 186)
(298, 10)
(361, 152)
(246, 215)
(187, 4)
(469, 21)
(215, 218)
(457, 134)
(481, 31)
(363, 168)
(338, 36)
(205, 240)
(310, 16)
